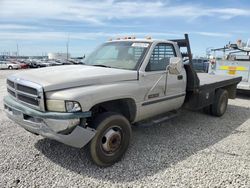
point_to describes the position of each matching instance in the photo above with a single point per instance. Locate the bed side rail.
(184, 43)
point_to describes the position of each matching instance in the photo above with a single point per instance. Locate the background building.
(61, 56)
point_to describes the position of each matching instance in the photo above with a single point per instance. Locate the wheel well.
(126, 107)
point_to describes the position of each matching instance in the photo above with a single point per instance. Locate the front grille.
(26, 92)
(10, 83)
(11, 92)
(26, 89)
(28, 100)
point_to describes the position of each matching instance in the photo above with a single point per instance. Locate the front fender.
(88, 96)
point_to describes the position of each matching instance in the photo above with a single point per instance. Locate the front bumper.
(48, 124)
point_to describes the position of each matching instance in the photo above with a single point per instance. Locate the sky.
(42, 26)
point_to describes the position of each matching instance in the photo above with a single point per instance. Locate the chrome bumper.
(48, 124)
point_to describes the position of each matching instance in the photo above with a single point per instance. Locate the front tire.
(10, 67)
(111, 140)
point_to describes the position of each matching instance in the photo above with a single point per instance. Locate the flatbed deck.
(203, 86)
(216, 81)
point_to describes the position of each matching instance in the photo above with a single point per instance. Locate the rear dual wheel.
(219, 106)
(111, 140)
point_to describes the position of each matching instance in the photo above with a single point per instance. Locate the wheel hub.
(111, 141)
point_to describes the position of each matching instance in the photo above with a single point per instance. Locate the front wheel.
(111, 140)
(10, 67)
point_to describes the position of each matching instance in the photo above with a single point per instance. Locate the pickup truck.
(122, 83)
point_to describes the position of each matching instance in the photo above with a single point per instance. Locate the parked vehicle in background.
(54, 63)
(74, 61)
(22, 64)
(123, 82)
(65, 62)
(25, 63)
(32, 64)
(9, 65)
(200, 64)
(235, 60)
(2, 58)
(41, 64)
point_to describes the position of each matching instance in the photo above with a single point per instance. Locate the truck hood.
(69, 76)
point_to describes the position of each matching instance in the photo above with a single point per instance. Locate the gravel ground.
(192, 150)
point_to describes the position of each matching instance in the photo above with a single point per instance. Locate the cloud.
(213, 34)
(16, 27)
(50, 21)
(100, 12)
(61, 36)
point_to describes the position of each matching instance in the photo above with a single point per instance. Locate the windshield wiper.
(100, 65)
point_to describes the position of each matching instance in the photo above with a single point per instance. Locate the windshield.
(122, 55)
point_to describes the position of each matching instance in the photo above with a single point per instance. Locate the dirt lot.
(192, 150)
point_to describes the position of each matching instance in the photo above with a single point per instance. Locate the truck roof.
(179, 42)
(141, 40)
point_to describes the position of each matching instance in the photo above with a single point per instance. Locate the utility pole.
(17, 50)
(67, 47)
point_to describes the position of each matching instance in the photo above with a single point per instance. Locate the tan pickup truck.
(123, 82)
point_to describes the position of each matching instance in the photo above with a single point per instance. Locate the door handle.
(179, 77)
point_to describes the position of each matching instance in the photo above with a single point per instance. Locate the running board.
(158, 119)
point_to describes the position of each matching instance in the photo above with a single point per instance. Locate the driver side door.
(163, 92)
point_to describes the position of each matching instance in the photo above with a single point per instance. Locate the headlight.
(62, 106)
(55, 105)
(72, 106)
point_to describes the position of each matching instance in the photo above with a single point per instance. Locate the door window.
(160, 57)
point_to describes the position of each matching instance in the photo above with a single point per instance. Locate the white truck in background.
(123, 82)
(234, 61)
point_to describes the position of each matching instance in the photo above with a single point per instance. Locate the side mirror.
(175, 65)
